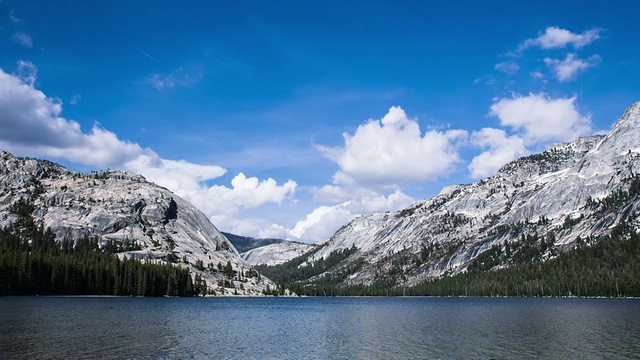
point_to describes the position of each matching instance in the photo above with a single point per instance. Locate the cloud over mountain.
(32, 124)
(393, 150)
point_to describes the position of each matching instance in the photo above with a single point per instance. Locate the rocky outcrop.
(123, 207)
(572, 190)
(275, 254)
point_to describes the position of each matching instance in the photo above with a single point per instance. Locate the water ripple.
(318, 328)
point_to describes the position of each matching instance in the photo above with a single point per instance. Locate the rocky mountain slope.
(267, 251)
(277, 253)
(246, 243)
(149, 221)
(570, 192)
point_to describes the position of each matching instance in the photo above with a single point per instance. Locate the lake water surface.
(318, 328)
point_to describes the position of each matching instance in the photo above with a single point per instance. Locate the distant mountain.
(267, 251)
(533, 209)
(245, 243)
(277, 253)
(154, 223)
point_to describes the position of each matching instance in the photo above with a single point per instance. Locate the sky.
(289, 118)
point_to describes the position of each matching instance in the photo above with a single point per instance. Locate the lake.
(318, 328)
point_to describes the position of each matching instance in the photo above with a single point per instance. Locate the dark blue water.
(318, 328)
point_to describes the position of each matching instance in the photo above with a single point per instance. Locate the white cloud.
(180, 77)
(250, 193)
(31, 124)
(540, 118)
(250, 227)
(22, 39)
(75, 99)
(537, 74)
(324, 221)
(182, 177)
(27, 72)
(379, 203)
(14, 19)
(508, 67)
(554, 38)
(567, 69)
(392, 151)
(501, 149)
(321, 223)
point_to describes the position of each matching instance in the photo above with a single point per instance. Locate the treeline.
(607, 266)
(32, 262)
(293, 271)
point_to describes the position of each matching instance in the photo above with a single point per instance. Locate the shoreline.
(310, 297)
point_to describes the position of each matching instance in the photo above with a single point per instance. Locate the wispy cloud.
(508, 67)
(27, 72)
(180, 77)
(14, 19)
(555, 37)
(149, 56)
(75, 99)
(22, 39)
(570, 66)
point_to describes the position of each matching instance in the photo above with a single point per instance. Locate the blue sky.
(289, 118)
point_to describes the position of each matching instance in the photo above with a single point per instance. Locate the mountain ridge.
(267, 251)
(156, 224)
(572, 190)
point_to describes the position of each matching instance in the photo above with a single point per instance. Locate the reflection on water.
(318, 328)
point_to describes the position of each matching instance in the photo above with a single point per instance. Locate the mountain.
(246, 243)
(278, 253)
(148, 221)
(267, 251)
(535, 207)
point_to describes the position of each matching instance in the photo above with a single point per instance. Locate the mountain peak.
(623, 138)
(629, 121)
(151, 222)
(573, 190)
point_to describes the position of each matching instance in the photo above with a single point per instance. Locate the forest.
(33, 262)
(608, 266)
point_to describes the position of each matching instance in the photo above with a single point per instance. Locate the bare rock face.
(572, 190)
(275, 254)
(124, 207)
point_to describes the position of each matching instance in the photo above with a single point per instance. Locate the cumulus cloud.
(539, 118)
(250, 192)
(554, 38)
(500, 149)
(22, 39)
(31, 124)
(570, 66)
(182, 177)
(393, 150)
(324, 221)
(321, 223)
